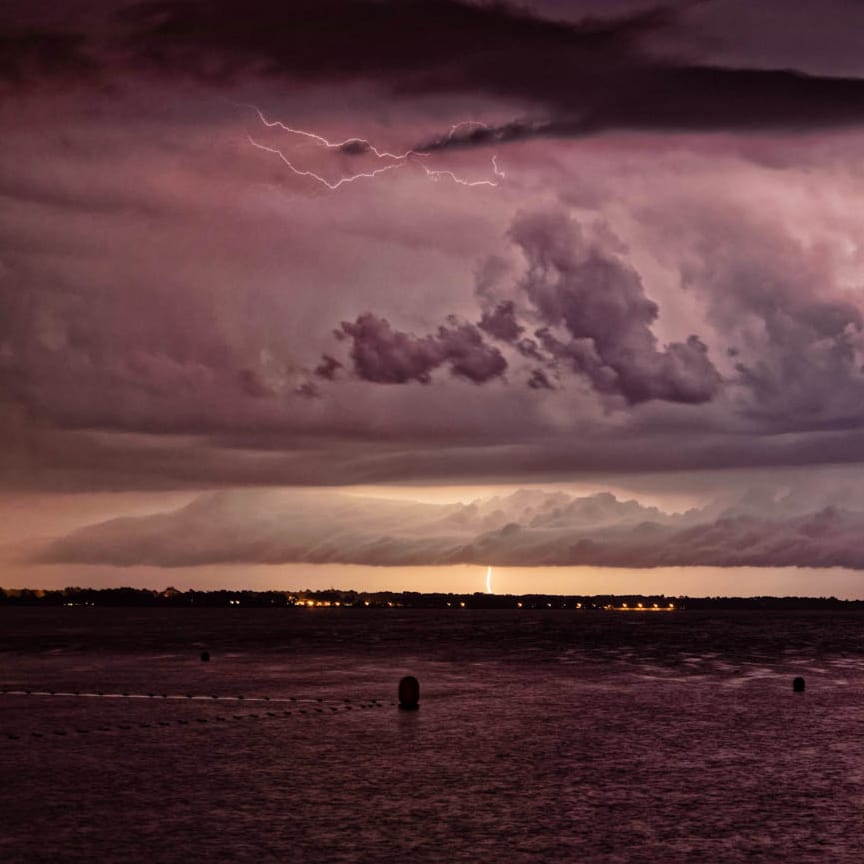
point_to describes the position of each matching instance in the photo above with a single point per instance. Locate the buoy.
(205, 656)
(409, 693)
(798, 684)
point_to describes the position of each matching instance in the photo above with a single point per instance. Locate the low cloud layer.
(527, 528)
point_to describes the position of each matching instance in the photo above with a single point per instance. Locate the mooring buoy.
(205, 656)
(409, 693)
(798, 684)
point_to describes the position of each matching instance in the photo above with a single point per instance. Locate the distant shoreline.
(337, 598)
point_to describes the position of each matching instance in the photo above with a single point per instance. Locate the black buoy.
(205, 656)
(409, 693)
(798, 684)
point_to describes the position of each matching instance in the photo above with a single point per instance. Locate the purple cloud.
(585, 287)
(527, 528)
(387, 356)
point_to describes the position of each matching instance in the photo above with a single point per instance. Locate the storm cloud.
(585, 76)
(594, 73)
(573, 282)
(387, 356)
(599, 300)
(526, 528)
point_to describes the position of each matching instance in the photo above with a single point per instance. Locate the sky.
(378, 293)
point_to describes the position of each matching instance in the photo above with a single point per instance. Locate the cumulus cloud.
(796, 336)
(387, 356)
(574, 282)
(585, 287)
(527, 528)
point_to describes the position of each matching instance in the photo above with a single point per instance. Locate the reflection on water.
(546, 736)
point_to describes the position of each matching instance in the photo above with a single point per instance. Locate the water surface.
(542, 736)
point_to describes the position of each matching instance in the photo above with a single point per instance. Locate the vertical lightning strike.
(488, 580)
(362, 145)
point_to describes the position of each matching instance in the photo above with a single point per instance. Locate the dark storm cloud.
(576, 78)
(27, 56)
(328, 367)
(585, 77)
(527, 528)
(661, 97)
(412, 44)
(387, 356)
(501, 322)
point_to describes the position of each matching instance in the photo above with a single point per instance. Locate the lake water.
(541, 736)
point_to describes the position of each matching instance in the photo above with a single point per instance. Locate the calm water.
(542, 736)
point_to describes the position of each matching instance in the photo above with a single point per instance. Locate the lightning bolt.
(356, 146)
(347, 145)
(317, 177)
(436, 175)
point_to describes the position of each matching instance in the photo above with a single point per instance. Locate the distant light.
(462, 604)
(518, 605)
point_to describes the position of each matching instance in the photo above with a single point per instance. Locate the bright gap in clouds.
(667, 501)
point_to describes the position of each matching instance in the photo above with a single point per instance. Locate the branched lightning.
(358, 146)
(317, 177)
(437, 174)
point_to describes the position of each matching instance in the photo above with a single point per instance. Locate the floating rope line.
(175, 696)
(345, 706)
(312, 708)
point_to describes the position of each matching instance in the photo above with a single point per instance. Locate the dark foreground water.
(542, 736)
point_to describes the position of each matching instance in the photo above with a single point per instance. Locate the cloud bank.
(527, 528)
